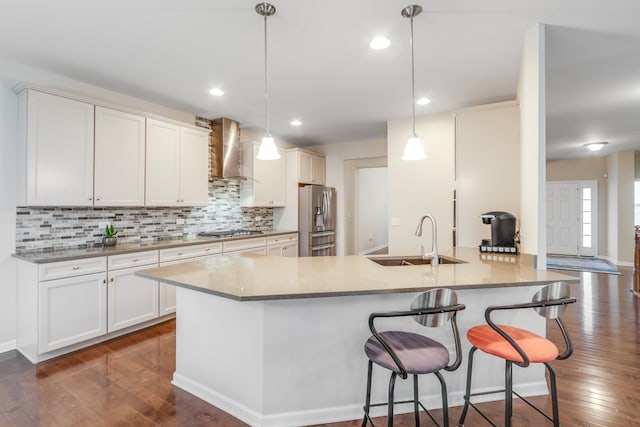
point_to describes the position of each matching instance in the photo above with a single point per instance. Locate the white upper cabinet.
(56, 150)
(177, 162)
(119, 158)
(163, 163)
(310, 168)
(267, 185)
(194, 166)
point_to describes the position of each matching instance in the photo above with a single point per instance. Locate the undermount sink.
(412, 260)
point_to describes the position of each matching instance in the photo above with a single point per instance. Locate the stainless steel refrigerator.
(317, 220)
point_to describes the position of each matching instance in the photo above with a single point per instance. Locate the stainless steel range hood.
(226, 155)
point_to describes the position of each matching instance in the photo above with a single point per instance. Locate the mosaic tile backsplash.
(56, 228)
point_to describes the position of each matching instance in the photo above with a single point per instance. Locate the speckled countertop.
(40, 257)
(253, 277)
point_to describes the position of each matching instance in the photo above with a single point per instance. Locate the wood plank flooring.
(126, 381)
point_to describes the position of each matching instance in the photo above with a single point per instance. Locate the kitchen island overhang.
(279, 341)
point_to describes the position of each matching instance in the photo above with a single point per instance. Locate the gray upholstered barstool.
(408, 353)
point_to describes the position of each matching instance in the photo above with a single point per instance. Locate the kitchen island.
(279, 341)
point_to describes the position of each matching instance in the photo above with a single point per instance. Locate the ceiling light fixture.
(296, 123)
(216, 91)
(379, 43)
(595, 146)
(423, 101)
(268, 149)
(414, 150)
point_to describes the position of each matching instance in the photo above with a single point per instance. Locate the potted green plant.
(109, 236)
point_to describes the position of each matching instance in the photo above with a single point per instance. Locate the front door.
(571, 218)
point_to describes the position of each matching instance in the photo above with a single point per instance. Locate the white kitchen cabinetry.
(176, 165)
(254, 245)
(60, 304)
(131, 299)
(267, 186)
(167, 293)
(56, 150)
(283, 245)
(119, 158)
(311, 168)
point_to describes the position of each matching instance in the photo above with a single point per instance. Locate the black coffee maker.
(503, 232)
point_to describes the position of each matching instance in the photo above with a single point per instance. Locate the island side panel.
(219, 352)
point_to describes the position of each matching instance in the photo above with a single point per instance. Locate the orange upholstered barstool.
(521, 347)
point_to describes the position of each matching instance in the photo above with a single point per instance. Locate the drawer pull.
(75, 267)
(179, 253)
(135, 260)
(207, 250)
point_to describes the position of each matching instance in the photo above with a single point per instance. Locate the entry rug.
(593, 265)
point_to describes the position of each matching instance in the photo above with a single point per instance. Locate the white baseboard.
(333, 414)
(615, 261)
(7, 346)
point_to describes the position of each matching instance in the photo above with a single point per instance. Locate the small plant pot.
(109, 241)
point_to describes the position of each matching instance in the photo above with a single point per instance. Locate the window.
(586, 218)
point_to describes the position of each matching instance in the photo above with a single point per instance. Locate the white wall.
(620, 167)
(8, 197)
(531, 96)
(424, 186)
(487, 167)
(371, 209)
(336, 154)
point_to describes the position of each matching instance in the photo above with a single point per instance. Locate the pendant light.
(268, 149)
(414, 150)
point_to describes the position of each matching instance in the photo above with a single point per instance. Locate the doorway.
(365, 196)
(572, 218)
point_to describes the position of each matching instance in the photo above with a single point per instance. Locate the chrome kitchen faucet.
(435, 261)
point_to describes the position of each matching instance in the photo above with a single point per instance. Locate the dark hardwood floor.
(126, 381)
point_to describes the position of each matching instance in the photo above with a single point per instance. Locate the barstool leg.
(392, 384)
(508, 393)
(554, 396)
(367, 402)
(467, 395)
(416, 412)
(445, 403)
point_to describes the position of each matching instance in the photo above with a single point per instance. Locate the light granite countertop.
(41, 257)
(254, 277)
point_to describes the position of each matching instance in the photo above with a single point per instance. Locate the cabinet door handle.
(90, 198)
(75, 267)
(104, 281)
(98, 198)
(113, 279)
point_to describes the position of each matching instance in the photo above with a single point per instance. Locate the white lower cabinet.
(167, 293)
(252, 245)
(131, 299)
(283, 245)
(71, 310)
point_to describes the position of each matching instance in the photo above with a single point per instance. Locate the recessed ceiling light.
(595, 146)
(379, 43)
(216, 91)
(296, 123)
(423, 101)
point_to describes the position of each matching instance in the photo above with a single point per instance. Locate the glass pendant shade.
(268, 149)
(414, 150)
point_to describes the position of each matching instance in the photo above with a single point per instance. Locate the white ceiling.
(322, 70)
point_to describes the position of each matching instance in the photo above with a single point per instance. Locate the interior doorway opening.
(366, 206)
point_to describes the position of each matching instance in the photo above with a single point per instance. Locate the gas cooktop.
(228, 233)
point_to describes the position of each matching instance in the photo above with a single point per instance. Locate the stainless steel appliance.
(317, 220)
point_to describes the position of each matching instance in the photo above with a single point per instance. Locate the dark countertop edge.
(360, 292)
(44, 257)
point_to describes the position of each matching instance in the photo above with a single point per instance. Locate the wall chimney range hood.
(226, 155)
